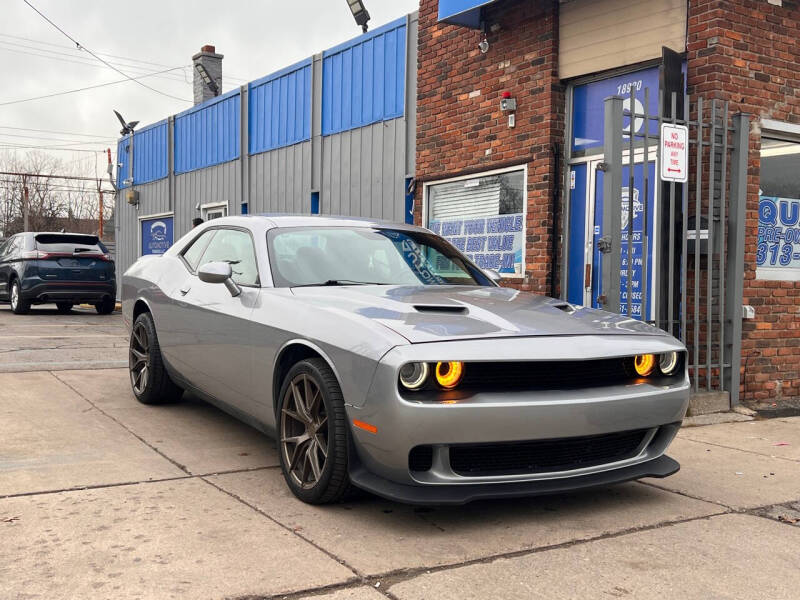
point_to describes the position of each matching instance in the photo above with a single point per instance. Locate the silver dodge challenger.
(381, 357)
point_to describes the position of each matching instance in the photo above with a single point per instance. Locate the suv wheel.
(106, 307)
(19, 306)
(149, 378)
(313, 440)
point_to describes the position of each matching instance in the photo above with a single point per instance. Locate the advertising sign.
(778, 253)
(637, 248)
(674, 153)
(157, 235)
(491, 242)
(462, 12)
(588, 112)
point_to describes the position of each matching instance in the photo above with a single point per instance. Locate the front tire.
(19, 306)
(150, 381)
(313, 435)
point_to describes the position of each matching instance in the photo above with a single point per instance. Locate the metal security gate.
(697, 230)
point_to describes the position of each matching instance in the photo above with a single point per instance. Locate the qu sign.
(778, 253)
(674, 153)
(157, 235)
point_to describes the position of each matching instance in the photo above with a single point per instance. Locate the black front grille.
(544, 456)
(560, 374)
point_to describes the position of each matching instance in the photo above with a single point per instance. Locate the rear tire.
(150, 381)
(64, 307)
(106, 307)
(312, 429)
(19, 306)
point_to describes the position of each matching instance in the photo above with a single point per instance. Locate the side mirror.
(493, 275)
(219, 272)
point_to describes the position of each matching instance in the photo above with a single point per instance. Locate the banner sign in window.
(778, 253)
(157, 235)
(490, 242)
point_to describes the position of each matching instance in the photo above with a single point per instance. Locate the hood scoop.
(441, 308)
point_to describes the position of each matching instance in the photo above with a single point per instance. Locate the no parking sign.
(674, 153)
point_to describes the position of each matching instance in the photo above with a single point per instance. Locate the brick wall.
(460, 127)
(747, 52)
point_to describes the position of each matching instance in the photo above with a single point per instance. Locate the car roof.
(272, 221)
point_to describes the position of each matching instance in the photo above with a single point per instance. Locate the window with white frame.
(214, 211)
(483, 216)
(778, 251)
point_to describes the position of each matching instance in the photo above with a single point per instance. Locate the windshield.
(366, 255)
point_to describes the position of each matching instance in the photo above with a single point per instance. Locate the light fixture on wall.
(483, 46)
(360, 13)
(212, 85)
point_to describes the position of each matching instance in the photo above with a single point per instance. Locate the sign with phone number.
(778, 253)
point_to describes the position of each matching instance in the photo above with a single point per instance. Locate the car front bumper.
(381, 458)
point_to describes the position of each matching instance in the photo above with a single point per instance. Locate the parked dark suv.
(63, 268)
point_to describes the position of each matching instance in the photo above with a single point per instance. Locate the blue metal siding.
(280, 108)
(363, 80)
(150, 153)
(123, 160)
(207, 134)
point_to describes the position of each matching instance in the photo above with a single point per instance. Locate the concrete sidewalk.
(103, 497)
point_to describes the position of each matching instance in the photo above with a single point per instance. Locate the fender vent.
(440, 308)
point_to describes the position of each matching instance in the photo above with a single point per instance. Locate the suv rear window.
(68, 243)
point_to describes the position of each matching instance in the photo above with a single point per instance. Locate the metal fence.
(700, 226)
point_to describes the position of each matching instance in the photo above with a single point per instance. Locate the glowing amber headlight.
(448, 374)
(644, 364)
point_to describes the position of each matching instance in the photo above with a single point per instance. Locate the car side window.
(236, 247)
(193, 253)
(4, 246)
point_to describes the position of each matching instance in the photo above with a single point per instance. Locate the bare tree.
(52, 203)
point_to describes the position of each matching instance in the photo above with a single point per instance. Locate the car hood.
(439, 313)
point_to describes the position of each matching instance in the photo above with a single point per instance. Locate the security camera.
(483, 46)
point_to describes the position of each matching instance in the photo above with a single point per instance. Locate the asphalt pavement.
(101, 497)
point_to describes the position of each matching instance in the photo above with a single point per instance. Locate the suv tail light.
(37, 254)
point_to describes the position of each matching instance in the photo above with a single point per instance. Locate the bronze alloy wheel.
(304, 431)
(139, 358)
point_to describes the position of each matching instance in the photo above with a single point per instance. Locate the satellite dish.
(126, 127)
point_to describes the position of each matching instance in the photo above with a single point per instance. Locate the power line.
(83, 89)
(91, 135)
(92, 64)
(55, 139)
(109, 65)
(49, 148)
(125, 58)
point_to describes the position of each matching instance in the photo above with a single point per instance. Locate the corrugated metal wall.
(363, 80)
(150, 153)
(363, 170)
(207, 134)
(220, 183)
(281, 154)
(123, 160)
(280, 108)
(280, 181)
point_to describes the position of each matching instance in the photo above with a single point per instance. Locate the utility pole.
(100, 192)
(25, 203)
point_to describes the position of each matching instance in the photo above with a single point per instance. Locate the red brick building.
(532, 167)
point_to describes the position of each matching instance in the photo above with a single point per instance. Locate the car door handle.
(185, 290)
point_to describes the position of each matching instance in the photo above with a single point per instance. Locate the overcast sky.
(256, 37)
